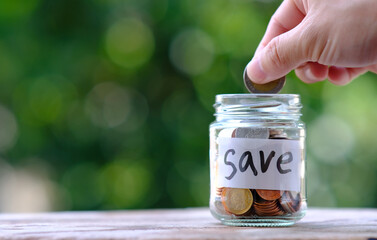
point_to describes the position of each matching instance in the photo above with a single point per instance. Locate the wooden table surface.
(194, 223)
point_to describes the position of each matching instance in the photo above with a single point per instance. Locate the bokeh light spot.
(214, 81)
(126, 183)
(192, 51)
(109, 105)
(357, 103)
(8, 129)
(323, 197)
(330, 139)
(236, 26)
(21, 190)
(129, 43)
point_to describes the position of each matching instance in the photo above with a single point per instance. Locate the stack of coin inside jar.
(256, 202)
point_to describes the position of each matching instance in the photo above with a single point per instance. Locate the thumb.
(281, 55)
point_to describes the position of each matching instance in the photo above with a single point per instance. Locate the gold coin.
(237, 200)
(269, 194)
(270, 87)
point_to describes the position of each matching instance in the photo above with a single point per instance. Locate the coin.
(277, 134)
(234, 133)
(260, 133)
(270, 87)
(269, 194)
(226, 133)
(219, 190)
(267, 208)
(290, 201)
(237, 200)
(219, 206)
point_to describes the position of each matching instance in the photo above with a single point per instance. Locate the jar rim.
(258, 105)
(219, 97)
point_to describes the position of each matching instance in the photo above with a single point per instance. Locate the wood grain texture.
(196, 223)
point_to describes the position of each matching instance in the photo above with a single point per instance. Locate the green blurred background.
(105, 104)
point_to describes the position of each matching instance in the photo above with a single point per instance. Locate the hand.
(321, 39)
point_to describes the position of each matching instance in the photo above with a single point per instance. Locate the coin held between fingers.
(270, 87)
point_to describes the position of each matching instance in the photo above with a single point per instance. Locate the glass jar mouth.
(222, 97)
(257, 105)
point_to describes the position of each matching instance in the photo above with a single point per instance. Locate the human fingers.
(312, 72)
(372, 68)
(343, 76)
(282, 54)
(287, 16)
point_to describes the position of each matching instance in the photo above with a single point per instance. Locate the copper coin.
(268, 208)
(237, 200)
(234, 133)
(219, 190)
(269, 194)
(270, 87)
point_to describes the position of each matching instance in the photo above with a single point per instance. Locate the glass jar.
(257, 160)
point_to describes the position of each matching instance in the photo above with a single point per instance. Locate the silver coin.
(226, 133)
(290, 201)
(260, 133)
(277, 134)
(270, 87)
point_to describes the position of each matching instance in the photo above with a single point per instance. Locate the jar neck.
(258, 107)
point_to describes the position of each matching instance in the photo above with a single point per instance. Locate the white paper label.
(271, 164)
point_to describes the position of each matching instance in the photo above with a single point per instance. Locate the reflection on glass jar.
(257, 160)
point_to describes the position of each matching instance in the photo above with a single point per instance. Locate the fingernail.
(255, 72)
(309, 75)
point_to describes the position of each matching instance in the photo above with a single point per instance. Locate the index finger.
(289, 14)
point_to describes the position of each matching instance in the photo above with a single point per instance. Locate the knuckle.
(275, 53)
(313, 41)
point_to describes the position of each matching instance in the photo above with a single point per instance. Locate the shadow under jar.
(257, 160)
